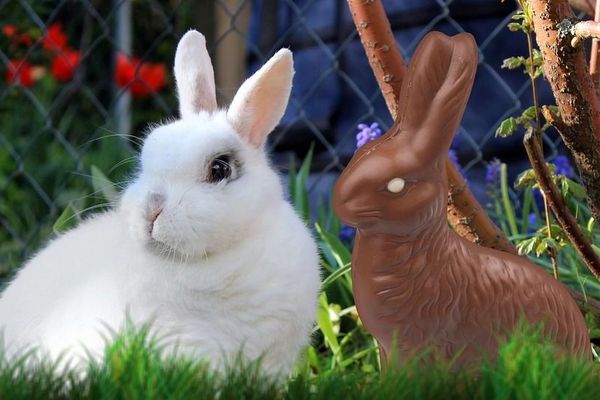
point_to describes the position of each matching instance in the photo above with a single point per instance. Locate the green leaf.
(513, 62)
(591, 224)
(541, 247)
(335, 276)
(515, 27)
(326, 324)
(507, 127)
(526, 246)
(301, 198)
(66, 220)
(103, 185)
(518, 15)
(342, 255)
(292, 178)
(526, 179)
(573, 188)
(529, 113)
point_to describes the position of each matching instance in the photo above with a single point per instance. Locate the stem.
(465, 214)
(538, 133)
(533, 79)
(551, 250)
(510, 215)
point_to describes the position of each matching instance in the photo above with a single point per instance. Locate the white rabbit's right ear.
(259, 104)
(194, 75)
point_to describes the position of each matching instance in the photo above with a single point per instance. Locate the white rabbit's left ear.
(260, 102)
(194, 75)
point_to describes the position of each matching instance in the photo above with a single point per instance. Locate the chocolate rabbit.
(417, 284)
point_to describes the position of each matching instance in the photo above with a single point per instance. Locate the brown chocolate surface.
(417, 284)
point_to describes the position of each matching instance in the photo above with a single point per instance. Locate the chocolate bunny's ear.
(435, 90)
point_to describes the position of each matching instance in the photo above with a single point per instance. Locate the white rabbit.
(202, 243)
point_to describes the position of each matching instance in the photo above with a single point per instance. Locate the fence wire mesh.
(82, 80)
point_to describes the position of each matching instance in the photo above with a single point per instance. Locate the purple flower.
(367, 133)
(532, 222)
(346, 233)
(563, 166)
(492, 174)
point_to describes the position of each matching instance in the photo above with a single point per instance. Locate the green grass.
(134, 367)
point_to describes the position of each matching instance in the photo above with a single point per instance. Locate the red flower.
(25, 39)
(55, 39)
(19, 72)
(9, 30)
(124, 71)
(140, 77)
(64, 64)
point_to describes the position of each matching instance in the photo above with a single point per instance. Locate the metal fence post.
(122, 116)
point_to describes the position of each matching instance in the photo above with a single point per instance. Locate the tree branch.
(582, 30)
(566, 69)
(380, 45)
(465, 214)
(587, 6)
(594, 53)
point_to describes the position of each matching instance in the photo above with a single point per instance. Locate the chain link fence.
(82, 80)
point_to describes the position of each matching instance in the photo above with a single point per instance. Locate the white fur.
(194, 75)
(226, 267)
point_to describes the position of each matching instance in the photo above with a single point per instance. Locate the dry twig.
(594, 53)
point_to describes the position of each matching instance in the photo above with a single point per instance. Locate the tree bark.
(566, 69)
(587, 6)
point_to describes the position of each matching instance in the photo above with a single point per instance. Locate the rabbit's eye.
(395, 185)
(219, 169)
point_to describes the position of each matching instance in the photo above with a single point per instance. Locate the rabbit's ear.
(194, 75)
(260, 102)
(435, 91)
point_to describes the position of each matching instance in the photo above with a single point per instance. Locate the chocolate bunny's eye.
(219, 169)
(396, 185)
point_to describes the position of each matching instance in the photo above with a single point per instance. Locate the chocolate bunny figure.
(418, 284)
